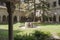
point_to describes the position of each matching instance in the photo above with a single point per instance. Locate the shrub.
(33, 36)
(41, 35)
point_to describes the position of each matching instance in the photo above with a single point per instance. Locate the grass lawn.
(44, 27)
(51, 27)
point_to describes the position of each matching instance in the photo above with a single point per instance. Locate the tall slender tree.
(43, 6)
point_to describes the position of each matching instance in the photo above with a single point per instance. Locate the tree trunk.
(10, 21)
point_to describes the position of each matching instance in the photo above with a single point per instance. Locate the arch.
(50, 18)
(59, 18)
(23, 19)
(4, 18)
(15, 19)
(54, 18)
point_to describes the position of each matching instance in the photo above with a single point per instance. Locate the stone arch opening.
(23, 18)
(4, 18)
(15, 19)
(54, 18)
(50, 18)
(59, 18)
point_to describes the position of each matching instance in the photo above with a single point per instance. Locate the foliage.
(37, 35)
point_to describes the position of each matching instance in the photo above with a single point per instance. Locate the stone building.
(53, 15)
(55, 9)
(17, 15)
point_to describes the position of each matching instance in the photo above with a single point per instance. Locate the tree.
(10, 4)
(10, 9)
(42, 5)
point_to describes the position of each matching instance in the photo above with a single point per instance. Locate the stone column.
(57, 18)
(1, 18)
(52, 18)
(6, 18)
(17, 18)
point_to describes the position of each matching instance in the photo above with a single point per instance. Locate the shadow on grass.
(4, 34)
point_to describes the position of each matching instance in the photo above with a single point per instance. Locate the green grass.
(4, 30)
(44, 27)
(51, 28)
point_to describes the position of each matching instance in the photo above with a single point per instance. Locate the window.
(54, 4)
(4, 18)
(59, 2)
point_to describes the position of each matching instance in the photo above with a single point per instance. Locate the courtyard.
(44, 27)
(30, 20)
